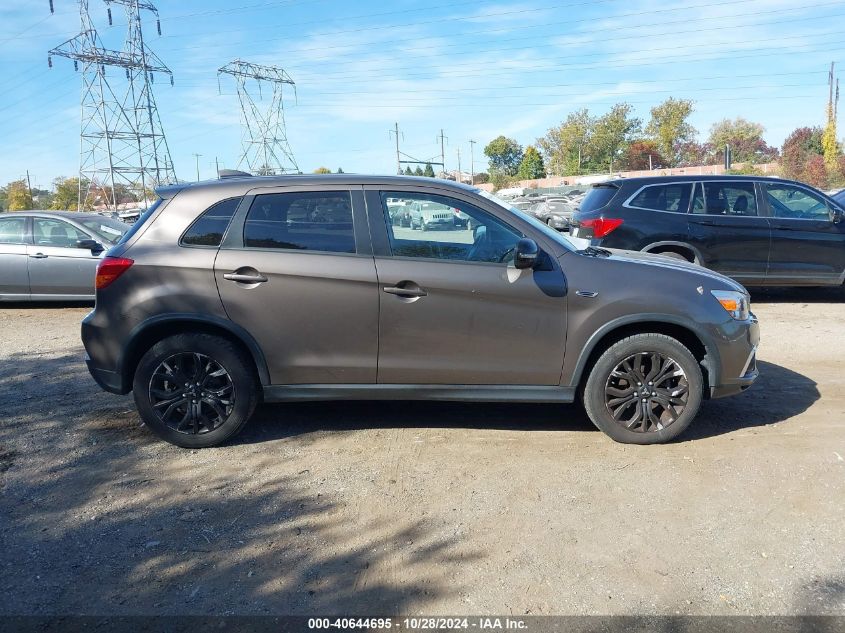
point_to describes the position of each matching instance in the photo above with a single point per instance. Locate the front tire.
(195, 390)
(645, 389)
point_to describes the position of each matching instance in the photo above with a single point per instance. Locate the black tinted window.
(669, 197)
(309, 220)
(725, 198)
(597, 197)
(208, 229)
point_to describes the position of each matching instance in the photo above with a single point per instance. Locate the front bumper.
(738, 369)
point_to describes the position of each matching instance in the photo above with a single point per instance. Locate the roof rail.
(232, 173)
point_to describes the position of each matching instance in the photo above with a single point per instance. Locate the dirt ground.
(409, 508)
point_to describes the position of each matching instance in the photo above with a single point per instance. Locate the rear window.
(208, 229)
(597, 197)
(140, 221)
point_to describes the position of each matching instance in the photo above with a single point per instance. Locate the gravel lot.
(408, 508)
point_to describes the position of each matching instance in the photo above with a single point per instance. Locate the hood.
(661, 261)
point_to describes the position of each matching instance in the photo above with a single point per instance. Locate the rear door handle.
(39, 256)
(245, 279)
(405, 292)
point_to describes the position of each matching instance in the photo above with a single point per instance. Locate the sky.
(473, 69)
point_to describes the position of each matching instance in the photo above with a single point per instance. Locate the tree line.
(585, 143)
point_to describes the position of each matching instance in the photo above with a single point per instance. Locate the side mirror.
(836, 216)
(90, 245)
(526, 254)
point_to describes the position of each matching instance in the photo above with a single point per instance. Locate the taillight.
(109, 269)
(602, 226)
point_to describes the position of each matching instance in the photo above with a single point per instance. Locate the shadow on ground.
(834, 294)
(98, 517)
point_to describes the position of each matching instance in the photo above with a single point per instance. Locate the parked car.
(53, 255)
(214, 301)
(556, 212)
(427, 216)
(759, 231)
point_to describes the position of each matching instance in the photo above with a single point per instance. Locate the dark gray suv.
(245, 289)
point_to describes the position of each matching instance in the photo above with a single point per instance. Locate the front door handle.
(39, 256)
(411, 291)
(245, 279)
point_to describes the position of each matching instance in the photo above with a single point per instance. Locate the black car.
(555, 212)
(760, 231)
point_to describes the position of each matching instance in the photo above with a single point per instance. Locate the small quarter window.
(302, 221)
(670, 197)
(208, 229)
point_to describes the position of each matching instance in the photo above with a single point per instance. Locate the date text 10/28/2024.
(419, 624)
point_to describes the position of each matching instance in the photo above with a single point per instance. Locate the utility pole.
(217, 166)
(458, 178)
(197, 156)
(29, 186)
(395, 132)
(650, 167)
(442, 150)
(472, 161)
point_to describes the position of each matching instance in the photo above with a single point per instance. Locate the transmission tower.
(122, 144)
(266, 149)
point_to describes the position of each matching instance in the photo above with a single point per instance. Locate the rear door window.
(669, 197)
(50, 232)
(12, 230)
(302, 221)
(597, 197)
(725, 198)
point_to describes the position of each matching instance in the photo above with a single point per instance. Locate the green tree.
(505, 154)
(418, 171)
(670, 129)
(18, 196)
(566, 147)
(531, 166)
(745, 139)
(501, 180)
(611, 135)
(339, 170)
(428, 171)
(482, 178)
(408, 171)
(66, 193)
(322, 170)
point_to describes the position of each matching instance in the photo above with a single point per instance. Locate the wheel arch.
(676, 247)
(687, 333)
(148, 333)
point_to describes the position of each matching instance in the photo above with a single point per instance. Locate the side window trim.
(627, 204)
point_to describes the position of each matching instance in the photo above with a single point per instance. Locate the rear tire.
(195, 390)
(645, 389)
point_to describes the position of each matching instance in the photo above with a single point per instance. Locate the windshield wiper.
(593, 251)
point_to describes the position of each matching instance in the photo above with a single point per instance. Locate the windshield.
(107, 228)
(572, 244)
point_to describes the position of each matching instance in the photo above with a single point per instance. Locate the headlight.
(735, 303)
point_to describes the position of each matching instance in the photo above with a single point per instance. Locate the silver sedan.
(53, 255)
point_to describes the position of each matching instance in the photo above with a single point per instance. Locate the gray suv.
(248, 289)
